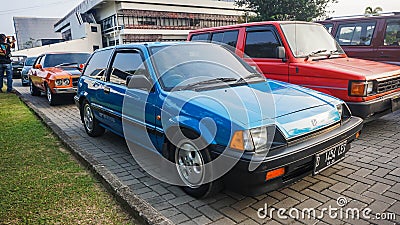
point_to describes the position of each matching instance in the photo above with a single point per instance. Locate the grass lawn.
(40, 182)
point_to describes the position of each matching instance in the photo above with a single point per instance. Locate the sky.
(59, 8)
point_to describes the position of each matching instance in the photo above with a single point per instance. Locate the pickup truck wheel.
(91, 124)
(190, 164)
(52, 99)
(33, 89)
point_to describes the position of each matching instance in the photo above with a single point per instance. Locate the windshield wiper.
(315, 53)
(66, 64)
(334, 52)
(212, 81)
(253, 75)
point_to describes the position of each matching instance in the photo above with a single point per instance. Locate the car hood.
(369, 69)
(295, 110)
(70, 71)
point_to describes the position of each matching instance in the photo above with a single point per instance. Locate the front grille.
(388, 85)
(314, 134)
(75, 81)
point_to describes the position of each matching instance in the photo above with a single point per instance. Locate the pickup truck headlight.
(361, 88)
(250, 140)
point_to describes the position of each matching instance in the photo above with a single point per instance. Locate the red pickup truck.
(306, 54)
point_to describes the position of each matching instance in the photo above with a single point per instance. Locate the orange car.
(57, 75)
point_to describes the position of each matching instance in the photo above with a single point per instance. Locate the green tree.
(304, 10)
(372, 12)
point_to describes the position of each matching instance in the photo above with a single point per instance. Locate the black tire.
(91, 124)
(52, 99)
(203, 190)
(34, 90)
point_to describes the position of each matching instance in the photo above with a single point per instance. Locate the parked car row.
(157, 96)
(306, 54)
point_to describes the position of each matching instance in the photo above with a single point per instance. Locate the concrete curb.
(137, 207)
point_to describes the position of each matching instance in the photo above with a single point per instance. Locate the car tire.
(52, 99)
(23, 83)
(34, 90)
(187, 147)
(91, 124)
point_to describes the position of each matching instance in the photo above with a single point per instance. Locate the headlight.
(59, 82)
(361, 88)
(66, 82)
(344, 111)
(340, 109)
(370, 87)
(250, 140)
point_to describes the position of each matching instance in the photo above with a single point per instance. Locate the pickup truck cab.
(306, 54)
(215, 119)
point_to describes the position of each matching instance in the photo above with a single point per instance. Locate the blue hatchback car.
(197, 116)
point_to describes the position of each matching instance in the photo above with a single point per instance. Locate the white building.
(118, 22)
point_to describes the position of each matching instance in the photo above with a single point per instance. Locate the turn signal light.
(275, 173)
(237, 141)
(357, 89)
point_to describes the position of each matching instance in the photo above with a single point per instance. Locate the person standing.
(5, 63)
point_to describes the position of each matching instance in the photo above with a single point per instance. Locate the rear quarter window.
(353, 34)
(200, 37)
(392, 34)
(228, 37)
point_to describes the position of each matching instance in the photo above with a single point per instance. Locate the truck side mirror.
(138, 82)
(281, 52)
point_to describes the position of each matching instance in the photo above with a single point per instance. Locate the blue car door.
(95, 81)
(133, 107)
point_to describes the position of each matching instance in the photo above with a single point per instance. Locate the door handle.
(107, 90)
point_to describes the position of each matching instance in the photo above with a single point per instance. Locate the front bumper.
(375, 108)
(65, 90)
(298, 160)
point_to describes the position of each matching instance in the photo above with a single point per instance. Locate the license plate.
(329, 157)
(395, 103)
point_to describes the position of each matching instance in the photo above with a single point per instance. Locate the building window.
(94, 29)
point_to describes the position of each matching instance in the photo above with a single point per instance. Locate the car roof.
(248, 25)
(360, 18)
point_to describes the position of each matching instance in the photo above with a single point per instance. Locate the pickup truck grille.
(388, 85)
(75, 81)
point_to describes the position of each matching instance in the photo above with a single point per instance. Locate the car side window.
(392, 35)
(125, 64)
(261, 44)
(355, 33)
(200, 37)
(97, 65)
(328, 27)
(228, 37)
(40, 61)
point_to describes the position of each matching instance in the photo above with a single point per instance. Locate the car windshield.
(309, 39)
(198, 64)
(53, 60)
(29, 61)
(18, 60)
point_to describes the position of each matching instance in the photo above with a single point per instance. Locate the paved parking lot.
(369, 177)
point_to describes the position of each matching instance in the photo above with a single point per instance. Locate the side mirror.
(281, 52)
(38, 66)
(139, 82)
